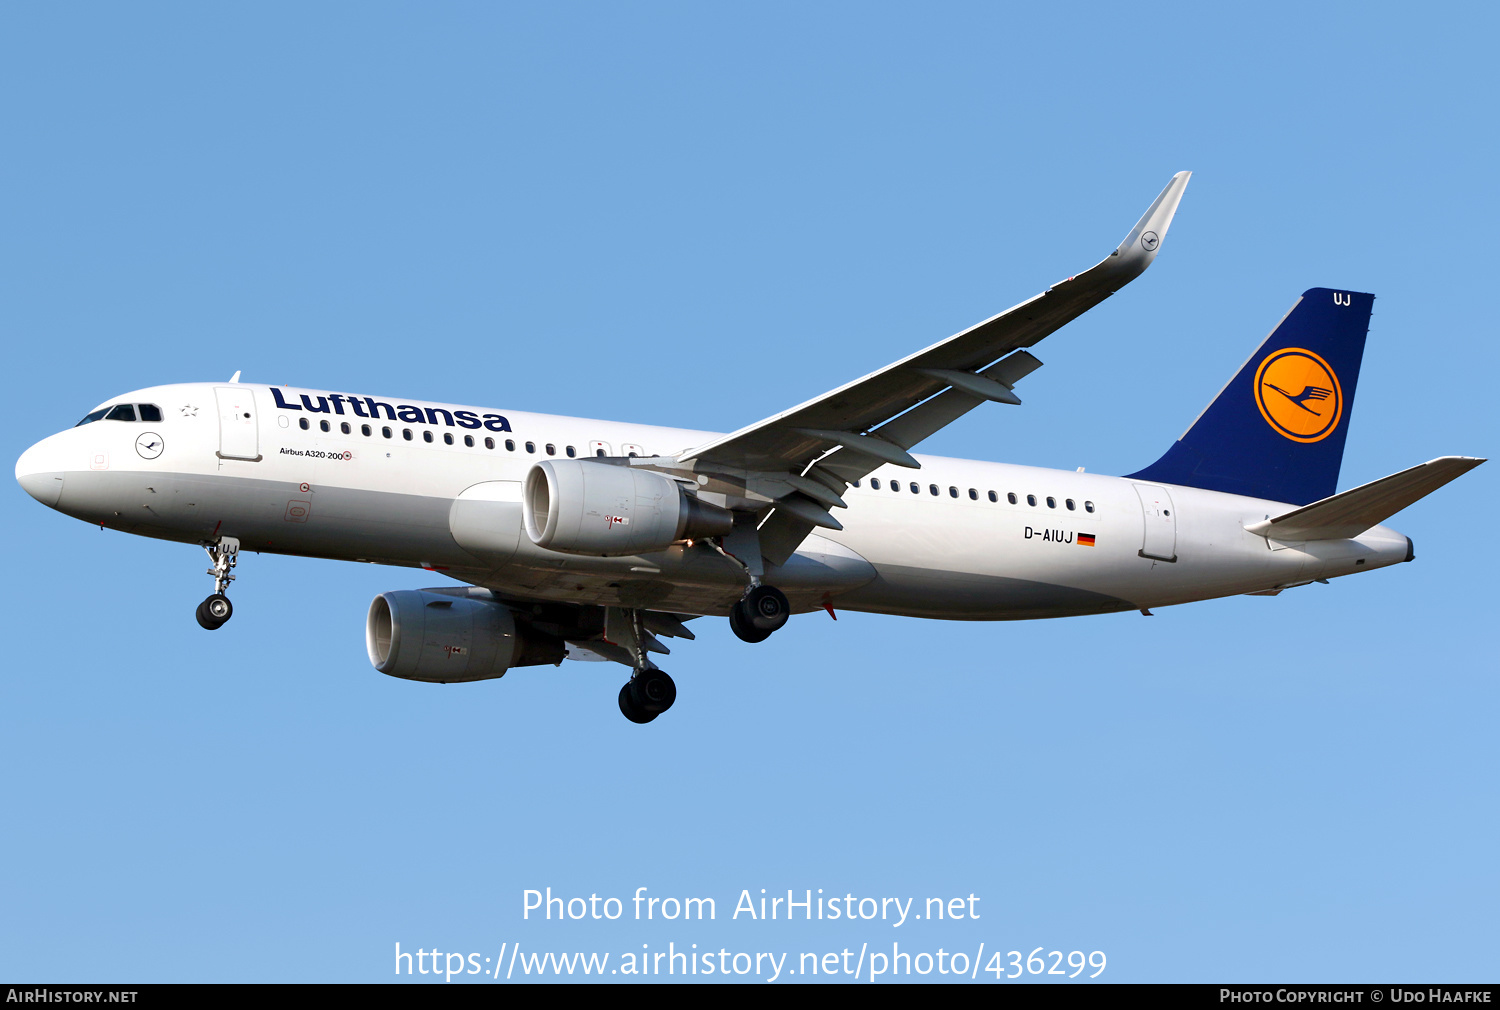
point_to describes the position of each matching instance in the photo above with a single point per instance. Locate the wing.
(800, 461)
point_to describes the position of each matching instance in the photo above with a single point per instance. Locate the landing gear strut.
(214, 611)
(761, 611)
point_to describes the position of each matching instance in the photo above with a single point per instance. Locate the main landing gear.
(649, 692)
(761, 611)
(646, 695)
(214, 611)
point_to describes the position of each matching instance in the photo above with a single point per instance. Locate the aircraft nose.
(40, 474)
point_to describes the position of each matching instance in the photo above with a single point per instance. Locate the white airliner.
(595, 539)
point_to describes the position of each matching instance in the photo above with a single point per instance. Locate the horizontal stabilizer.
(1352, 512)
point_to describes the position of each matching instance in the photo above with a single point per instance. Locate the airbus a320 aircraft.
(594, 540)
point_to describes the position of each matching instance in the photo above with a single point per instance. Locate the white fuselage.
(421, 496)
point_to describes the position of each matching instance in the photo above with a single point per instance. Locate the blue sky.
(698, 216)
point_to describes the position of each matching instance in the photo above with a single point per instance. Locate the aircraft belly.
(681, 579)
(967, 596)
(268, 515)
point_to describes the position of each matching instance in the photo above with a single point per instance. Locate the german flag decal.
(1085, 540)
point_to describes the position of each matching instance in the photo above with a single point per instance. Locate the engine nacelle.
(582, 507)
(420, 635)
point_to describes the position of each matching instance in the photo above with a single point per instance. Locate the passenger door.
(1159, 539)
(239, 431)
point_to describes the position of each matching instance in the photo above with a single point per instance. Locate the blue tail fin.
(1277, 430)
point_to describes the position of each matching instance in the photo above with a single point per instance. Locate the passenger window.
(302, 423)
(572, 452)
(447, 438)
(469, 441)
(917, 488)
(95, 416)
(551, 449)
(895, 485)
(510, 444)
(325, 425)
(932, 488)
(344, 427)
(406, 434)
(599, 452)
(973, 495)
(427, 436)
(1031, 500)
(489, 443)
(1071, 506)
(124, 412)
(1011, 497)
(874, 483)
(386, 432)
(531, 447)
(953, 492)
(150, 412)
(1088, 506)
(856, 483)
(1051, 502)
(364, 430)
(994, 497)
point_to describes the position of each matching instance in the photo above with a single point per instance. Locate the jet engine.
(582, 507)
(418, 634)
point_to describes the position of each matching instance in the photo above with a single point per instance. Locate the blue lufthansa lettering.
(389, 410)
(399, 412)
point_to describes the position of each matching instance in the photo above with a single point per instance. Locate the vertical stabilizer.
(1277, 430)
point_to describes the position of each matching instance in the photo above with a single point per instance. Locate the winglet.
(1131, 258)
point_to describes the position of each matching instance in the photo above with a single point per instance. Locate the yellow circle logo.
(1298, 394)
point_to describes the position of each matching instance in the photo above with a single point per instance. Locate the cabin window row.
(427, 436)
(953, 492)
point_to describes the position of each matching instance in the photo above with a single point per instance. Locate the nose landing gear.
(214, 611)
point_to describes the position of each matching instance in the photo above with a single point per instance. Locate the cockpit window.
(124, 412)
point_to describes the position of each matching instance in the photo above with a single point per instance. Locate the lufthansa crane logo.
(1298, 394)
